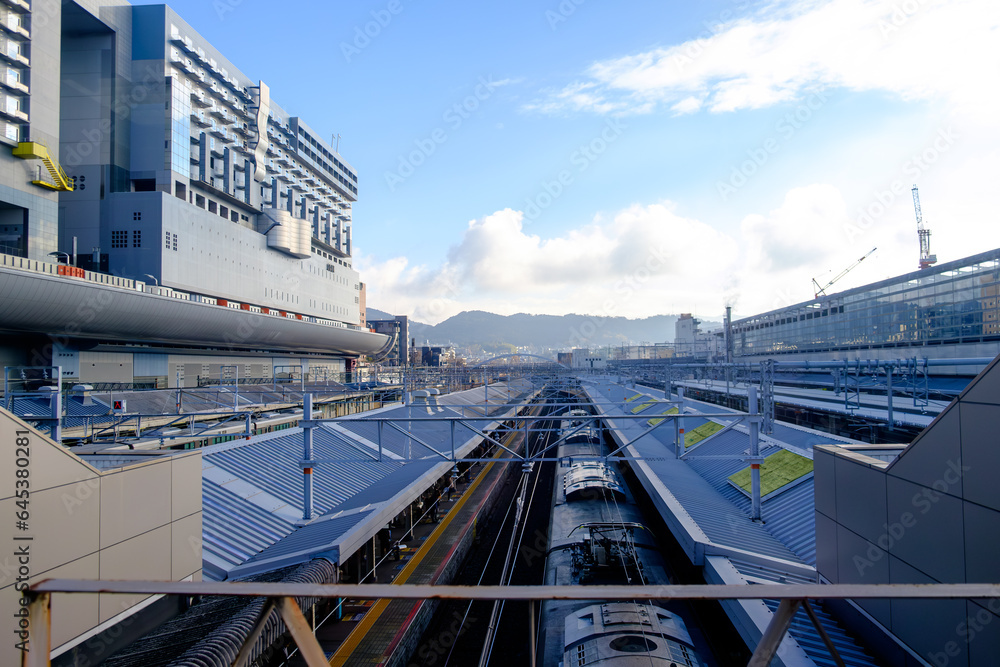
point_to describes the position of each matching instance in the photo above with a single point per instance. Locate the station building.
(948, 311)
(141, 162)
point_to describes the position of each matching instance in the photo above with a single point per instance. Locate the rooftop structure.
(929, 513)
(945, 311)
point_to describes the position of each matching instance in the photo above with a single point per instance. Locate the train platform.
(701, 501)
(376, 630)
(906, 410)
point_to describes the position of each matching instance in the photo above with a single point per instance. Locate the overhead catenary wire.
(517, 534)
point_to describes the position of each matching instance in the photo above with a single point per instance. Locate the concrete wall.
(135, 521)
(932, 515)
(220, 258)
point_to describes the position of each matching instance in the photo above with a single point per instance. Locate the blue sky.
(637, 158)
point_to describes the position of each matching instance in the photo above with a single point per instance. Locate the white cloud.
(805, 238)
(645, 260)
(919, 49)
(630, 265)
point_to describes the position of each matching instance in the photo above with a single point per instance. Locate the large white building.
(184, 180)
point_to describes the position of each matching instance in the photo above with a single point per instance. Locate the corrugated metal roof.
(804, 633)
(273, 466)
(435, 433)
(253, 496)
(234, 530)
(723, 521)
(253, 492)
(789, 516)
(734, 571)
(314, 538)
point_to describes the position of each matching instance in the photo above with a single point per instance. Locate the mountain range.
(477, 327)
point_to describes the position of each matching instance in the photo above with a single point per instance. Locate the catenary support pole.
(755, 460)
(307, 455)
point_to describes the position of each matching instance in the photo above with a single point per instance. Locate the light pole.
(58, 253)
(155, 281)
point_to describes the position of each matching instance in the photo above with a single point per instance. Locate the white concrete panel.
(929, 627)
(50, 465)
(861, 504)
(72, 615)
(861, 562)
(826, 548)
(185, 485)
(134, 501)
(66, 525)
(926, 530)
(185, 547)
(144, 557)
(825, 482)
(982, 544)
(984, 389)
(981, 453)
(933, 454)
(982, 631)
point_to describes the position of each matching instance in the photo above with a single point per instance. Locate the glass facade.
(952, 303)
(180, 126)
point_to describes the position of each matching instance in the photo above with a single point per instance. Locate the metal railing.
(281, 596)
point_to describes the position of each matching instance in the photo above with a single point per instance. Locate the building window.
(136, 238)
(137, 215)
(119, 239)
(175, 241)
(166, 240)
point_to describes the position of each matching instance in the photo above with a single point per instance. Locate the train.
(597, 537)
(206, 434)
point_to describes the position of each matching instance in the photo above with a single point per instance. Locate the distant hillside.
(375, 314)
(477, 327)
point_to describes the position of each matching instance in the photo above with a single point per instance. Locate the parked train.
(205, 434)
(597, 536)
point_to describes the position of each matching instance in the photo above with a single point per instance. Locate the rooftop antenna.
(336, 141)
(821, 291)
(923, 233)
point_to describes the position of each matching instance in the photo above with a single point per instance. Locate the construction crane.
(924, 234)
(821, 291)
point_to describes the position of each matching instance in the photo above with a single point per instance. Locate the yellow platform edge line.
(359, 632)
